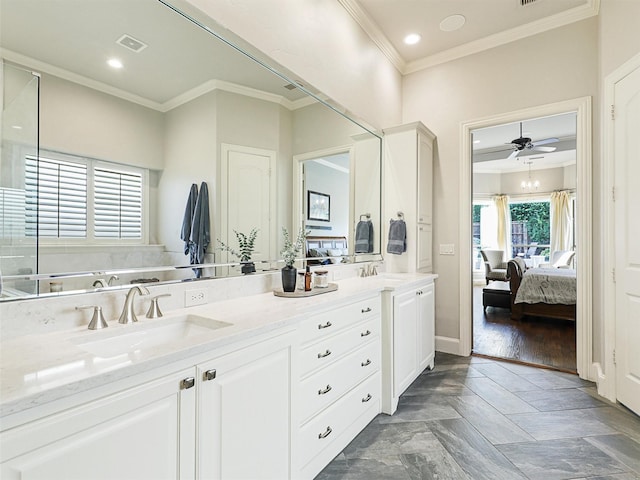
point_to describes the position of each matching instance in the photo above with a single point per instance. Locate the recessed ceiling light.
(412, 39)
(114, 63)
(16, 127)
(476, 141)
(452, 22)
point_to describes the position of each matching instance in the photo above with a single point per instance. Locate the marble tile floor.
(477, 418)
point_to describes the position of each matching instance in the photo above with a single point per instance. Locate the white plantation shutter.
(118, 204)
(80, 199)
(12, 213)
(56, 198)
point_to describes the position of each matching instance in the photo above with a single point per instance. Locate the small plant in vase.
(246, 246)
(290, 252)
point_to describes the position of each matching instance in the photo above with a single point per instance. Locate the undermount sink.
(107, 344)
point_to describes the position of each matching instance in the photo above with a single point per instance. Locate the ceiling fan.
(519, 144)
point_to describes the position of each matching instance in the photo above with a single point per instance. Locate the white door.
(627, 234)
(248, 198)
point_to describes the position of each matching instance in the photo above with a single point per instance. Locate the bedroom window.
(530, 227)
(83, 200)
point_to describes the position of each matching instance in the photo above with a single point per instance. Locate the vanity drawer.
(330, 349)
(328, 323)
(320, 432)
(325, 387)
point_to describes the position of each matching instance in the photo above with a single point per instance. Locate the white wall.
(320, 43)
(323, 179)
(559, 64)
(82, 121)
(510, 183)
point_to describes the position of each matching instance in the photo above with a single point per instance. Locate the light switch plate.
(447, 249)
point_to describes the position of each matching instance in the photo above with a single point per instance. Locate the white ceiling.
(488, 23)
(492, 145)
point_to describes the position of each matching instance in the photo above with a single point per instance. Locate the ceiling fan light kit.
(521, 143)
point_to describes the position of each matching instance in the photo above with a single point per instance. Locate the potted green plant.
(246, 246)
(290, 252)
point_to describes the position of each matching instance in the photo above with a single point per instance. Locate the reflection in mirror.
(107, 187)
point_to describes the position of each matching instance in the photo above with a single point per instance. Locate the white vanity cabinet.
(141, 432)
(224, 418)
(244, 413)
(409, 339)
(339, 390)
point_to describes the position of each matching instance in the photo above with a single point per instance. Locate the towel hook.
(400, 215)
(365, 215)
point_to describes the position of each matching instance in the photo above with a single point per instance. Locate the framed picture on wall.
(318, 206)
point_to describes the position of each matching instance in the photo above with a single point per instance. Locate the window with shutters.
(83, 200)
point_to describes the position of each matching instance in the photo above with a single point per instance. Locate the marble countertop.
(41, 368)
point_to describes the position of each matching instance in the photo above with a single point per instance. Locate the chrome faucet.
(112, 278)
(369, 270)
(128, 314)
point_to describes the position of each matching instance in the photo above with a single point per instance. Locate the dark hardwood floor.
(537, 341)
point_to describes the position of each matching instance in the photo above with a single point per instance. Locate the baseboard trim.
(605, 389)
(449, 345)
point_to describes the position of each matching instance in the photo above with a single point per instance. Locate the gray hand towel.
(187, 220)
(200, 228)
(397, 237)
(364, 237)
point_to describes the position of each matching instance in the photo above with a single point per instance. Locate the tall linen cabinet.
(408, 182)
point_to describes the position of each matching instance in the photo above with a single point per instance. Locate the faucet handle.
(154, 309)
(97, 321)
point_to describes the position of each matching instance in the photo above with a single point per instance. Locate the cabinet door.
(425, 180)
(146, 432)
(425, 248)
(405, 344)
(426, 326)
(244, 420)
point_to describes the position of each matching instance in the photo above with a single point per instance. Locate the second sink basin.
(107, 344)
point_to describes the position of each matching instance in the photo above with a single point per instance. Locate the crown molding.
(181, 99)
(590, 9)
(375, 34)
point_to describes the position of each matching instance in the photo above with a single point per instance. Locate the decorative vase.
(248, 267)
(289, 274)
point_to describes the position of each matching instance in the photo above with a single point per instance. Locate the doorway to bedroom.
(523, 225)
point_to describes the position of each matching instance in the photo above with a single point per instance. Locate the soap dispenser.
(307, 280)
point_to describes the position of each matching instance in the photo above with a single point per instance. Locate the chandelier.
(528, 184)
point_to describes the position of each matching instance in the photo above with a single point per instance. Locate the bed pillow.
(335, 255)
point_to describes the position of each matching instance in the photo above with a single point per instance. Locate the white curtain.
(504, 224)
(561, 234)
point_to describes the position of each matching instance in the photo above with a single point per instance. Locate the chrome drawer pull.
(323, 391)
(367, 398)
(209, 375)
(187, 383)
(326, 325)
(367, 363)
(325, 434)
(325, 354)
(365, 334)
(366, 310)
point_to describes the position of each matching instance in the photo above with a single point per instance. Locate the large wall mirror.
(99, 159)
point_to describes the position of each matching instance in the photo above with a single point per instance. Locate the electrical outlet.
(195, 297)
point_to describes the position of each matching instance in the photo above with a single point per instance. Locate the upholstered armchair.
(494, 264)
(560, 259)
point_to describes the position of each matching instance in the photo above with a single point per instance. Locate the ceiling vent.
(524, 3)
(133, 44)
(291, 86)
